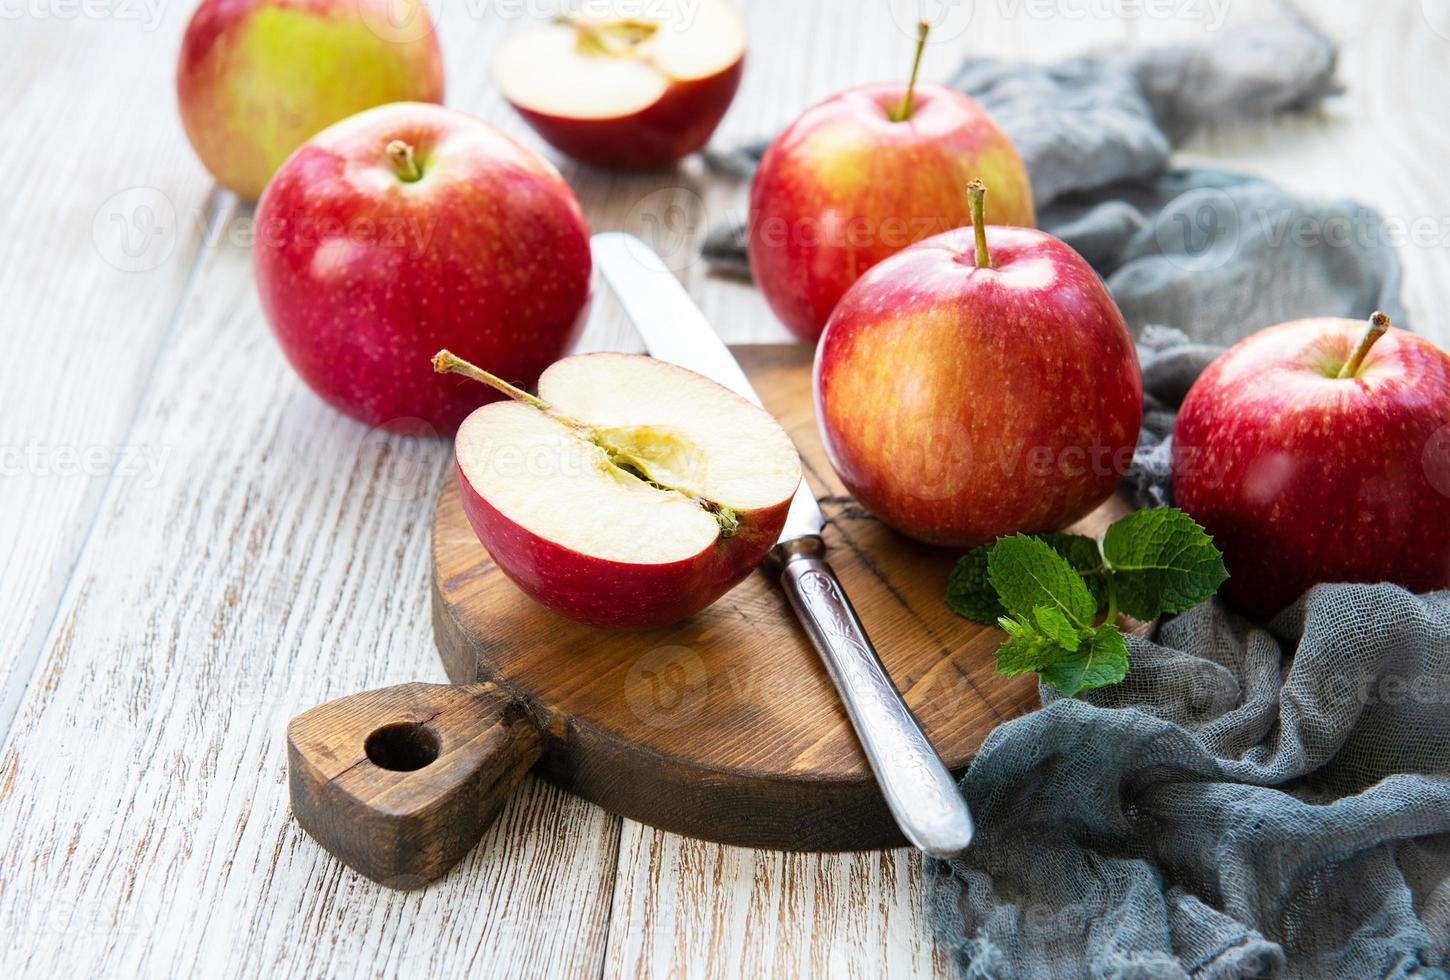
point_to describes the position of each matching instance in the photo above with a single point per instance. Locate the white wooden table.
(196, 548)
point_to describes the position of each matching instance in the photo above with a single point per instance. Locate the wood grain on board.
(726, 726)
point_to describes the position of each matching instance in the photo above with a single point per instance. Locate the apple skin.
(845, 186)
(615, 594)
(958, 404)
(680, 122)
(620, 595)
(364, 277)
(1304, 478)
(258, 77)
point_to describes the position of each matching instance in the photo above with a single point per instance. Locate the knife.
(917, 785)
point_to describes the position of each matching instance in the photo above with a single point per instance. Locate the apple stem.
(403, 160)
(903, 111)
(977, 200)
(1379, 325)
(446, 362)
(616, 38)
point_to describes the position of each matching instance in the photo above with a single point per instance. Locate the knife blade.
(918, 787)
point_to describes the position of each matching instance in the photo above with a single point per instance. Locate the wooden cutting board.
(726, 727)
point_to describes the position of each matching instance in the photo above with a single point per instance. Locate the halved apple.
(630, 493)
(633, 93)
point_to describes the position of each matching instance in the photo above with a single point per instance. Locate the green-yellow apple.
(861, 176)
(410, 227)
(1319, 451)
(258, 77)
(630, 493)
(630, 93)
(979, 383)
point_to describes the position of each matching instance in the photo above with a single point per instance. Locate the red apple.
(1319, 451)
(861, 176)
(258, 77)
(411, 227)
(972, 387)
(634, 93)
(630, 493)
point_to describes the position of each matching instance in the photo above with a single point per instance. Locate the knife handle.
(918, 788)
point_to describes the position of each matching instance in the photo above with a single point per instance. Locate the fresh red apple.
(633, 94)
(407, 228)
(979, 383)
(863, 175)
(258, 77)
(1319, 451)
(630, 493)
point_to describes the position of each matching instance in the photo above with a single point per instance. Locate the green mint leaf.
(1102, 660)
(1082, 554)
(1161, 561)
(1026, 650)
(1027, 573)
(1054, 625)
(969, 593)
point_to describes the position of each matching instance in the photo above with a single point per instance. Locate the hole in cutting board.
(402, 747)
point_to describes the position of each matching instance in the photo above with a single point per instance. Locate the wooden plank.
(104, 215)
(684, 907)
(279, 560)
(281, 557)
(282, 560)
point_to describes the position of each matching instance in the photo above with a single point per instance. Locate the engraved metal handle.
(918, 788)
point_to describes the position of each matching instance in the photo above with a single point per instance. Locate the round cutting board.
(726, 726)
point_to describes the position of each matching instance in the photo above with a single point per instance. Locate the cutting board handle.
(401, 782)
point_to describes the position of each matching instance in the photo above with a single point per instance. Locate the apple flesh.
(631, 493)
(848, 184)
(257, 78)
(411, 227)
(977, 384)
(632, 94)
(1304, 476)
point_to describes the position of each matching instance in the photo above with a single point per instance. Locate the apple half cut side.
(628, 94)
(631, 493)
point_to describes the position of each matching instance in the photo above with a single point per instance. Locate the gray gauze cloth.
(1251, 801)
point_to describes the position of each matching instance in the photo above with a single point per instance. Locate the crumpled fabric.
(1251, 801)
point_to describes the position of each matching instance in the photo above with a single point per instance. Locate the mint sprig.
(1049, 591)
